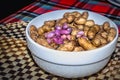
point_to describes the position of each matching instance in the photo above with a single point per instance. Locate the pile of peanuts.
(76, 33)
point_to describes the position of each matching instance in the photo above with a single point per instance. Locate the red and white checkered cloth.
(42, 6)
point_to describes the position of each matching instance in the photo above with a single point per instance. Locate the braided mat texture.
(16, 62)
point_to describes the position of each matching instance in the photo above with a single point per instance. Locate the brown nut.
(86, 44)
(62, 21)
(70, 18)
(80, 20)
(89, 23)
(33, 32)
(111, 34)
(66, 14)
(76, 14)
(40, 31)
(80, 27)
(42, 41)
(104, 34)
(96, 42)
(67, 46)
(106, 26)
(97, 27)
(78, 48)
(74, 31)
(86, 29)
(50, 23)
(85, 15)
(91, 34)
(46, 28)
(103, 41)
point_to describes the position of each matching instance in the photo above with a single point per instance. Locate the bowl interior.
(39, 21)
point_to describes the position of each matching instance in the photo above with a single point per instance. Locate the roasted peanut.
(76, 14)
(62, 21)
(40, 31)
(80, 20)
(85, 15)
(89, 23)
(96, 42)
(86, 44)
(78, 48)
(106, 26)
(111, 34)
(33, 32)
(80, 27)
(50, 23)
(67, 46)
(70, 18)
(74, 31)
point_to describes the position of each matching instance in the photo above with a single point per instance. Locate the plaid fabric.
(39, 7)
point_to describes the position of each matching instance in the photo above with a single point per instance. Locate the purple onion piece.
(50, 35)
(65, 32)
(49, 40)
(57, 32)
(69, 29)
(84, 37)
(58, 40)
(63, 36)
(65, 26)
(58, 27)
(55, 39)
(80, 33)
(68, 37)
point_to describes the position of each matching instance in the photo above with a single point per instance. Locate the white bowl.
(70, 64)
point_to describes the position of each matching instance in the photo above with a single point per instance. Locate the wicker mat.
(16, 62)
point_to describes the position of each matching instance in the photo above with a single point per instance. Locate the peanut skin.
(33, 32)
(86, 44)
(111, 34)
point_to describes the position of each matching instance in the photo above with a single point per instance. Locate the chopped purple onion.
(65, 26)
(80, 33)
(63, 36)
(49, 40)
(49, 35)
(55, 39)
(58, 40)
(57, 32)
(69, 29)
(65, 32)
(68, 37)
(58, 27)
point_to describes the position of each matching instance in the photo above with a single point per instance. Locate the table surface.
(16, 62)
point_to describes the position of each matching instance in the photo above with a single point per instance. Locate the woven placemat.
(16, 62)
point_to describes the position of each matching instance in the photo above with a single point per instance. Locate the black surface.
(8, 7)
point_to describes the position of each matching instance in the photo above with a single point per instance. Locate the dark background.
(8, 7)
